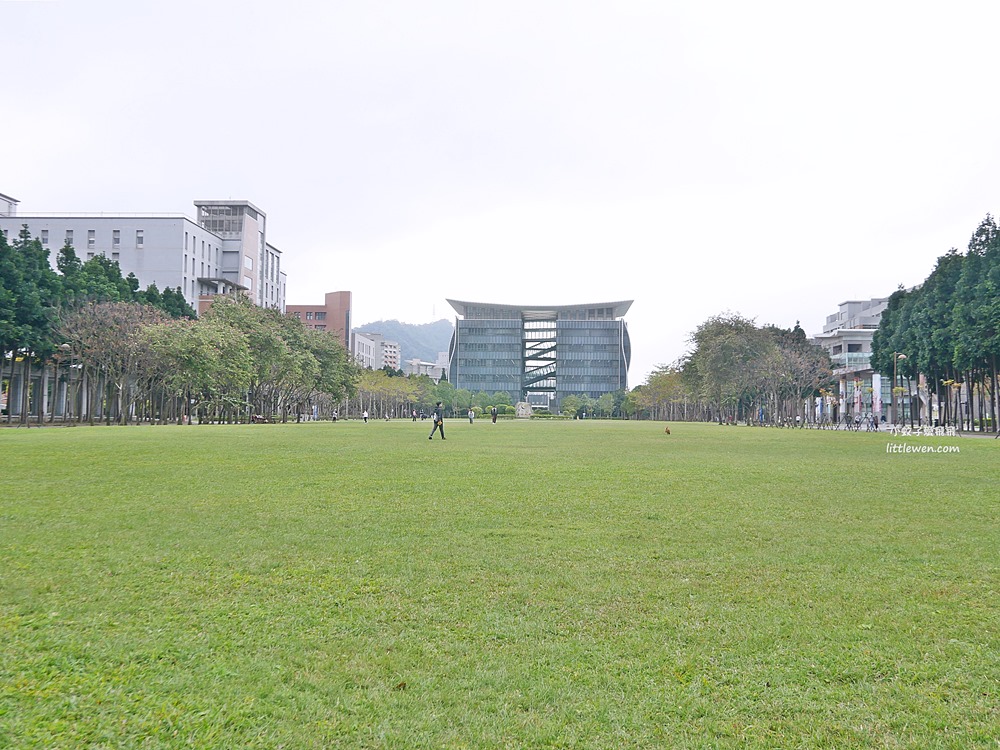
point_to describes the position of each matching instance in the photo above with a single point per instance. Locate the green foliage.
(32, 292)
(463, 398)
(735, 369)
(570, 406)
(949, 326)
(445, 392)
(237, 360)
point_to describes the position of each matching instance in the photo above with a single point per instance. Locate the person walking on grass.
(493, 414)
(437, 421)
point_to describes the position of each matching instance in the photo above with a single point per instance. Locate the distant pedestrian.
(414, 414)
(437, 419)
(493, 414)
(364, 416)
(472, 415)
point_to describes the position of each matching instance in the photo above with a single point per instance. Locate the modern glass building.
(540, 354)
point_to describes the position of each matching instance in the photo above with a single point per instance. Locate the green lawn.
(526, 584)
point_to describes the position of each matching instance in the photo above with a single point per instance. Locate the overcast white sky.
(769, 158)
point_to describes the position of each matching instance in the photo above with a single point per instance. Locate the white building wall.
(169, 251)
(367, 350)
(434, 370)
(158, 250)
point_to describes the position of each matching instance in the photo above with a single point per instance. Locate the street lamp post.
(896, 356)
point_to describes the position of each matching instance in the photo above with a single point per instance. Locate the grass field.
(525, 584)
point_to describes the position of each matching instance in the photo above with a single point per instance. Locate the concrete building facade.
(372, 351)
(222, 251)
(334, 315)
(861, 391)
(540, 354)
(434, 370)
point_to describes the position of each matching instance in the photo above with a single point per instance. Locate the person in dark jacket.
(437, 420)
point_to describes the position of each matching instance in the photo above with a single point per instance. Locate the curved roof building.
(540, 353)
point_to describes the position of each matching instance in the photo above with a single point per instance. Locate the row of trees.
(33, 296)
(389, 392)
(945, 333)
(119, 353)
(130, 362)
(738, 371)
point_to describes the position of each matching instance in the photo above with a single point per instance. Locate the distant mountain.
(422, 341)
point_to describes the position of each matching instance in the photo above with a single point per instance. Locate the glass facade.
(540, 354)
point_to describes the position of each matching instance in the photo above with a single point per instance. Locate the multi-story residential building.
(223, 250)
(390, 354)
(372, 351)
(540, 354)
(334, 315)
(862, 392)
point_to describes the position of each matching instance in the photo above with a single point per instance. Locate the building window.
(69, 236)
(114, 256)
(91, 238)
(116, 238)
(853, 348)
(838, 349)
(138, 238)
(320, 328)
(309, 316)
(321, 316)
(45, 236)
(90, 256)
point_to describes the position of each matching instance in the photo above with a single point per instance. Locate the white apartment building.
(390, 354)
(373, 352)
(434, 370)
(223, 250)
(847, 337)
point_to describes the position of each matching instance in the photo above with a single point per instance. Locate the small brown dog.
(666, 430)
